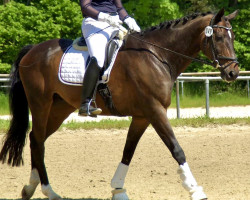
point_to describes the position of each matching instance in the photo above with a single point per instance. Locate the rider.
(101, 19)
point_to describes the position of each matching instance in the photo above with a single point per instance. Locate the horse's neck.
(185, 39)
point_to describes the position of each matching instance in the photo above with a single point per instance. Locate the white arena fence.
(205, 77)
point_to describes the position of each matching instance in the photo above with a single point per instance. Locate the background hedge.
(25, 22)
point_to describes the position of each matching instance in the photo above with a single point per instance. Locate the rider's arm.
(121, 10)
(88, 10)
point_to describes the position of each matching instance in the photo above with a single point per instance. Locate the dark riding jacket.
(92, 8)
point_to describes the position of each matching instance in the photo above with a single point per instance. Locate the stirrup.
(87, 110)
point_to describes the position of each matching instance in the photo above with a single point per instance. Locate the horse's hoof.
(27, 193)
(119, 194)
(57, 198)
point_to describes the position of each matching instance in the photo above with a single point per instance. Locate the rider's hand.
(132, 24)
(112, 20)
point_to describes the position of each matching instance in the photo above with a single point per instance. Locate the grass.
(191, 122)
(103, 124)
(215, 100)
(124, 124)
(4, 102)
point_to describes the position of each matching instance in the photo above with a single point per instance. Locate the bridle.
(216, 58)
(209, 34)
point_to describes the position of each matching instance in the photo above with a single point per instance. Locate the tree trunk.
(233, 3)
(5, 1)
(28, 2)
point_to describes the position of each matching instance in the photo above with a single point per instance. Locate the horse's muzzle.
(230, 72)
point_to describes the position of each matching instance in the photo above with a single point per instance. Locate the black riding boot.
(89, 83)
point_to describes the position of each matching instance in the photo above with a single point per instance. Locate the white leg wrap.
(119, 177)
(119, 194)
(28, 190)
(190, 184)
(47, 191)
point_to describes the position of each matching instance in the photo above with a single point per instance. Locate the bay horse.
(141, 83)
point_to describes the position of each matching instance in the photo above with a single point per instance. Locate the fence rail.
(181, 79)
(184, 77)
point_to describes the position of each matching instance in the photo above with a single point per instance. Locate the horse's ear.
(218, 16)
(232, 15)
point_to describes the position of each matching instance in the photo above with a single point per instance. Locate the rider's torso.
(106, 6)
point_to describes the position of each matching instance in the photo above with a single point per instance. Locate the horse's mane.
(172, 23)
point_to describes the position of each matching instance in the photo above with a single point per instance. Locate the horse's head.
(218, 45)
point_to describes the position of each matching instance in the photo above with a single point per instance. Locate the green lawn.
(124, 124)
(215, 100)
(224, 99)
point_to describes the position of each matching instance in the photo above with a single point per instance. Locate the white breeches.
(97, 35)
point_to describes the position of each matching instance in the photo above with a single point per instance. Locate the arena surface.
(80, 165)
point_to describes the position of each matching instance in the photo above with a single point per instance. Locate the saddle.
(112, 45)
(112, 49)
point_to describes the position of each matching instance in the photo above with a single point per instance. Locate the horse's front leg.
(136, 129)
(164, 130)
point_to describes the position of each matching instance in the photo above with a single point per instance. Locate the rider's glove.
(132, 24)
(112, 20)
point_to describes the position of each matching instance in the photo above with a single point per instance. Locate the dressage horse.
(141, 83)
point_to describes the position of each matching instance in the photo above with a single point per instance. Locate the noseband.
(216, 58)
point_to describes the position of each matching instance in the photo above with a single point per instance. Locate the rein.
(208, 33)
(175, 52)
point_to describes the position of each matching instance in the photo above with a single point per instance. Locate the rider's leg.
(89, 83)
(96, 35)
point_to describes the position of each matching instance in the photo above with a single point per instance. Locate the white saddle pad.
(72, 66)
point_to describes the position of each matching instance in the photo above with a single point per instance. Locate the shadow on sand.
(63, 199)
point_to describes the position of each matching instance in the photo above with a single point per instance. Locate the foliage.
(5, 68)
(240, 27)
(21, 25)
(25, 21)
(150, 13)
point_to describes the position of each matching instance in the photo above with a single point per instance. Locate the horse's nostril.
(231, 74)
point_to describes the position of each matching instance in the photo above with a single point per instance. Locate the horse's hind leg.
(164, 130)
(136, 129)
(54, 121)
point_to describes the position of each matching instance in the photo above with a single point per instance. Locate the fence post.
(207, 98)
(177, 99)
(248, 89)
(182, 88)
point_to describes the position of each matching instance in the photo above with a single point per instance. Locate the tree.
(21, 25)
(150, 13)
(5, 1)
(232, 3)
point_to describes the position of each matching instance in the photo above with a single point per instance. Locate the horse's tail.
(14, 140)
